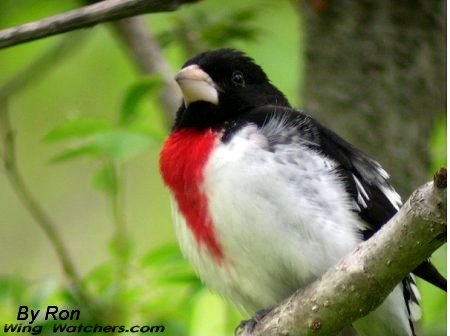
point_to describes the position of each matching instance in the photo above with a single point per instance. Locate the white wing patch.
(414, 307)
(392, 196)
(415, 310)
(362, 194)
(381, 171)
(381, 182)
(387, 189)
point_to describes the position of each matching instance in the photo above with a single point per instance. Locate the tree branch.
(147, 54)
(87, 16)
(371, 270)
(39, 214)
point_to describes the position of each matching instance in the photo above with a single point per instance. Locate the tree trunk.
(375, 74)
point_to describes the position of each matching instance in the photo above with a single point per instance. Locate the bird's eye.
(238, 78)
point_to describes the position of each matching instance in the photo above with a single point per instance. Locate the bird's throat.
(182, 162)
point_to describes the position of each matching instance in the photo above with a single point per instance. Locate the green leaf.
(74, 153)
(211, 308)
(188, 278)
(162, 256)
(135, 94)
(78, 128)
(106, 180)
(13, 288)
(120, 145)
(70, 297)
(153, 134)
(101, 279)
(115, 145)
(236, 25)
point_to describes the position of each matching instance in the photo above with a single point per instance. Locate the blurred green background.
(91, 87)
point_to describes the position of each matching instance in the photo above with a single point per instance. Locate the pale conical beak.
(197, 85)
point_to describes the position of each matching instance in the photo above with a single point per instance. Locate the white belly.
(267, 212)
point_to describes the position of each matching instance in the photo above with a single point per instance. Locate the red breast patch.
(182, 160)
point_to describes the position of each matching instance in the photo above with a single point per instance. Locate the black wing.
(366, 181)
(369, 185)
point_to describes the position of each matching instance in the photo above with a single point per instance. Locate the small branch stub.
(315, 325)
(440, 178)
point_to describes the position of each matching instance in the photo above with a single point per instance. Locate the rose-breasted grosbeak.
(268, 199)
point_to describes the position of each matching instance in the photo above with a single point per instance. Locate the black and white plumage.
(267, 198)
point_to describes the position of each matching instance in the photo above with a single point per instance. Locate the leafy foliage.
(78, 128)
(100, 139)
(200, 30)
(160, 290)
(136, 93)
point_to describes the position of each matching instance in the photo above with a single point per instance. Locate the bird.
(266, 198)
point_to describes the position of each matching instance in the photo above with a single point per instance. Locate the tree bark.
(375, 73)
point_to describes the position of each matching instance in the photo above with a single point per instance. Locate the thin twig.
(120, 238)
(144, 48)
(33, 72)
(34, 208)
(87, 16)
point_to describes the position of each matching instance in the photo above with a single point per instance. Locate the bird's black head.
(221, 85)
